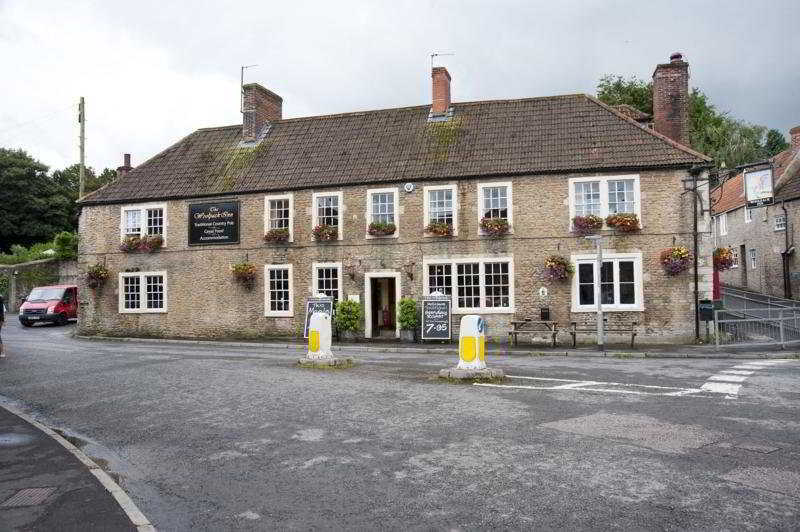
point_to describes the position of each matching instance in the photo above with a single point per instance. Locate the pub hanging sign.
(214, 223)
(758, 187)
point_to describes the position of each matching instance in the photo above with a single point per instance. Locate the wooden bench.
(529, 326)
(615, 327)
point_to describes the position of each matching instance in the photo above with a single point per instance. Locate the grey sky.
(153, 71)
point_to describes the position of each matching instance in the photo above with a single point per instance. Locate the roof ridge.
(656, 134)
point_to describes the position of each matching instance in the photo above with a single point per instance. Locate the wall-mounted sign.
(758, 187)
(323, 304)
(436, 318)
(214, 223)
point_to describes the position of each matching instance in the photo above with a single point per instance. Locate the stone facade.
(204, 301)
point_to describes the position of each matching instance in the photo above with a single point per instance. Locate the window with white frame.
(279, 296)
(752, 259)
(328, 209)
(143, 220)
(734, 258)
(619, 280)
(722, 223)
(327, 279)
(279, 212)
(748, 215)
(480, 285)
(382, 207)
(142, 292)
(604, 195)
(780, 222)
(495, 200)
(441, 205)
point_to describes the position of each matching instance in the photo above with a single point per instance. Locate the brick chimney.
(126, 167)
(259, 107)
(441, 90)
(671, 99)
(795, 134)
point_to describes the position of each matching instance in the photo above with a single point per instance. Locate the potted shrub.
(440, 229)
(348, 318)
(723, 259)
(407, 318)
(130, 244)
(623, 221)
(494, 226)
(381, 228)
(675, 260)
(150, 243)
(325, 233)
(558, 268)
(96, 275)
(245, 274)
(587, 225)
(277, 236)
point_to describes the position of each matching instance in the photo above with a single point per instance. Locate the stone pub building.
(330, 189)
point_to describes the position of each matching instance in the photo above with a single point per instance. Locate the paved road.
(216, 438)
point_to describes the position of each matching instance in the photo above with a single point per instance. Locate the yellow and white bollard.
(319, 337)
(472, 353)
(472, 343)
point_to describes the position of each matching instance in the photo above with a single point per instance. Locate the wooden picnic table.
(531, 326)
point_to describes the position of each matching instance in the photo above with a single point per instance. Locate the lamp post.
(598, 240)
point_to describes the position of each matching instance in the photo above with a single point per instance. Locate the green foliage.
(407, 314)
(20, 254)
(4, 287)
(30, 278)
(66, 245)
(711, 131)
(349, 316)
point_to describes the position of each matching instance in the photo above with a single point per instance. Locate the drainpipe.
(787, 282)
(696, 280)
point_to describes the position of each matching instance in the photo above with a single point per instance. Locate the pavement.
(43, 486)
(237, 437)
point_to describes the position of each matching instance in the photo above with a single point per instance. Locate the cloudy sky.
(153, 71)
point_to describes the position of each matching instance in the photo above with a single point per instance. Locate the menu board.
(317, 305)
(214, 223)
(436, 318)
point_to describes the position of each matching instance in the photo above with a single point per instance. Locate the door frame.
(380, 274)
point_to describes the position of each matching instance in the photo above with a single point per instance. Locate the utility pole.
(598, 294)
(82, 166)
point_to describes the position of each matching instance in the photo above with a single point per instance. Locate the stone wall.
(204, 301)
(17, 280)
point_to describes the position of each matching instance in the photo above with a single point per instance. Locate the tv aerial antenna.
(438, 54)
(241, 86)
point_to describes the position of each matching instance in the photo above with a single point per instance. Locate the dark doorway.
(743, 263)
(382, 313)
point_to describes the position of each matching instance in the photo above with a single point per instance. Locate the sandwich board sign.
(436, 318)
(317, 304)
(758, 187)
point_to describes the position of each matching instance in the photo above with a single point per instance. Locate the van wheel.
(26, 323)
(62, 319)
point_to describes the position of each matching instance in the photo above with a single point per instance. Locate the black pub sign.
(214, 223)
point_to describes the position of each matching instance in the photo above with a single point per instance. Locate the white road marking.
(594, 386)
(736, 372)
(727, 378)
(723, 382)
(721, 387)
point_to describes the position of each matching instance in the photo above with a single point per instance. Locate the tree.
(69, 178)
(33, 206)
(711, 131)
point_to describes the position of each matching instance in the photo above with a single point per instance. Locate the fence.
(750, 319)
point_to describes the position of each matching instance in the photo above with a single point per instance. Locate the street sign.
(214, 223)
(323, 304)
(758, 187)
(436, 318)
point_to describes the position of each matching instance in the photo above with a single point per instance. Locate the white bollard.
(472, 343)
(319, 337)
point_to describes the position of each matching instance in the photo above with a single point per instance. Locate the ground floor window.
(619, 280)
(279, 296)
(480, 285)
(143, 292)
(328, 279)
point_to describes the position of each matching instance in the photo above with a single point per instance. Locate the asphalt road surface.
(226, 438)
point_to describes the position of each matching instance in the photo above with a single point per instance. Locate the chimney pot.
(441, 90)
(795, 134)
(126, 167)
(671, 99)
(127, 159)
(675, 57)
(260, 106)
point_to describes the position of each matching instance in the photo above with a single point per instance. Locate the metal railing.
(758, 327)
(756, 305)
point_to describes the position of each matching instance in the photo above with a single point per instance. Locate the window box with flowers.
(244, 273)
(557, 268)
(381, 228)
(624, 221)
(494, 227)
(723, 259)
(675, 260)
(141, 244)
(587, 225)
(97, 275)
(277, 236)
(325, 233)
(439, 229)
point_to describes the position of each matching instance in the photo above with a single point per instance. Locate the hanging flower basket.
(558, 268)
(625, 222)
(244, 273)
(277, 236)
(587, 225)
(723, 259)
(96, 275)
(381, 228)
(324, 233)
(440, 229)
(494, 226)
(675, 260)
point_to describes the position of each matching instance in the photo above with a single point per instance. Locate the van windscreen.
(45, 294)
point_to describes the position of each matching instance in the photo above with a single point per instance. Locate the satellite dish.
(408, 187)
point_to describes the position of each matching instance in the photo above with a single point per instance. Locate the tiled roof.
(787, 186)
(632, 112)
(729, 195)
(502, 137)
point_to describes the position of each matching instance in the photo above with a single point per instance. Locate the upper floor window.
(143, 220)
(748, 215)
(722, 223)
(619, 281)
(382, 209)
(441, 206)
(328, 209)
(279, 213)
(780, 222)
(495, 200)
(601, 196)
(141, 292)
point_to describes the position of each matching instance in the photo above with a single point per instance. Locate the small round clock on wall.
(408, 187)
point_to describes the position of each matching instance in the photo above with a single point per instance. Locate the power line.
(39, 119)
